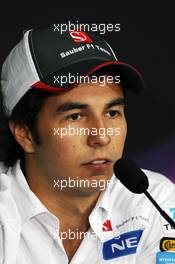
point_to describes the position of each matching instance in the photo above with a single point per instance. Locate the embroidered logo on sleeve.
(125, 244)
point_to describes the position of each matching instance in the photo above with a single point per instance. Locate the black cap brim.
(129, 76)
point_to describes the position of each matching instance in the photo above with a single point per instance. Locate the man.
(59, 200)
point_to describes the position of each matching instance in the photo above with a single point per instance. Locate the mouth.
(98, 163)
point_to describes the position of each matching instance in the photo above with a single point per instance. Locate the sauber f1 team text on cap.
(42, 54)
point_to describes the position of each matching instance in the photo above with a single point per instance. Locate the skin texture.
(62, 158)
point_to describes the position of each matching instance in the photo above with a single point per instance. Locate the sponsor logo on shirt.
(139, 219)
(80, 36)
(107, 226)
(125, 244)
(165, 258)
(172, 211)
(167, 228)
(167, 244)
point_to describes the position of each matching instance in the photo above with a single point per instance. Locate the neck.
(63, 204)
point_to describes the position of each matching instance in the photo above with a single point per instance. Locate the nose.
(98, 135)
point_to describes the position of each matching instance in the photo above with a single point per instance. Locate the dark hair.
(24, 113)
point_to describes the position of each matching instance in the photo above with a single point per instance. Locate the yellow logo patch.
(167, 244)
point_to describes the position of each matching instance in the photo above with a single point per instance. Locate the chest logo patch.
(125, 244)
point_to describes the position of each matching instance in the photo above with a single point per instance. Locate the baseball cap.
(42, 55)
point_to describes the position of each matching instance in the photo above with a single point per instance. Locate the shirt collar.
(27, 202)
(104, 201)
(102, 211)
(29, 205)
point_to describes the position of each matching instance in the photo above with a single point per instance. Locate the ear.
(23, 136)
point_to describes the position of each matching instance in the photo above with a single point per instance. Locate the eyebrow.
(117, 101)
(78, 105)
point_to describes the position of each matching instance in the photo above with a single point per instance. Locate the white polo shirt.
(124, 227)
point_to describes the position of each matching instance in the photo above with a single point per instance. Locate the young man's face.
(92, 107)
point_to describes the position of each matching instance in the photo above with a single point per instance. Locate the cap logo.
(80, 36)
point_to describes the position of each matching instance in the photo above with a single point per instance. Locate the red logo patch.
(80, 36)
(107, 226)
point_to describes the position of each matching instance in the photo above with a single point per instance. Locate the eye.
(113, 113)
(73, 117)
